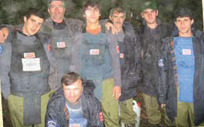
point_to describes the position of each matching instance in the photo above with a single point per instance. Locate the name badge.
(31, 64)
(121, 55)
(29, 55)
(186, 51)
(94, 51)
(61, 45)
(74, 125)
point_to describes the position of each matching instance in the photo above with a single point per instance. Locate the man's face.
(57, 11)
(184, 25)
(73, 92)
(118, 19)
(32, 25)
(149, 16)
(92, 14)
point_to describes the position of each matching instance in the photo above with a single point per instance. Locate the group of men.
(95, 73)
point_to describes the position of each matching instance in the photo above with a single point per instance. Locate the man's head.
(92, 11)
(33, 21)
(183, 21)
(56, 9)
(72, 87)
(117, 16)
(149, 12)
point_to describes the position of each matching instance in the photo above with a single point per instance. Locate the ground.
(143, 119)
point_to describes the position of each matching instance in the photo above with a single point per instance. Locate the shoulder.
(57, 100)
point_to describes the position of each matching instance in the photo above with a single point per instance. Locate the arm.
(96, 119)
(115, 64)
(162, 72)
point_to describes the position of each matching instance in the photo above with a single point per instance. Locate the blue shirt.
(185, 63)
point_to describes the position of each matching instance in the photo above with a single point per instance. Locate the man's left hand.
(116, 92)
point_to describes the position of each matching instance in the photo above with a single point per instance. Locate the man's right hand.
(163, 105)
(4, 32)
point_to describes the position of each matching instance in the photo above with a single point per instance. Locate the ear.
(157, 12)
(192, 21)
(141, 15)
(24, 19)
(110, 17)
(48, 10)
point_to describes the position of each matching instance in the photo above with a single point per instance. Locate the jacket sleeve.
(96, 117)
(162, 71)
(115, 63)
(55, 113)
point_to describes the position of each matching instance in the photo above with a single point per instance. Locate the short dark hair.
(70, 78)
(183, 12)
(117, 10)
(36, 12)
(92, 3)
(49, 2)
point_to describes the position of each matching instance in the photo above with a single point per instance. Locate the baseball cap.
(148, 4)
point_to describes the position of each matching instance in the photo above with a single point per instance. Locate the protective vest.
(62, 47)
(29, 72)
(95, 60)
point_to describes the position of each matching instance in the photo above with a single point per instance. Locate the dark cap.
(148, 5)
(183, 12)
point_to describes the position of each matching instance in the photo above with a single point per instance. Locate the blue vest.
(185, 62)
(95, 60)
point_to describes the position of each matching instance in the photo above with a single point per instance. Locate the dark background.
(12, 11)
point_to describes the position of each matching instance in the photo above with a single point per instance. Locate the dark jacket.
(56, 114)
(167, 87)
(131, 68)
(151, 43)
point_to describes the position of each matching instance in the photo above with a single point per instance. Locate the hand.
(163, 105)
(116, 92)
(110, 26)
(4, 32)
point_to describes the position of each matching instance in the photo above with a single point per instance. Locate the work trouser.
(110, 106)
(127, 115)
(15, 104)
(152, 109)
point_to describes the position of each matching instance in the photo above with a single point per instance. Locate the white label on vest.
(186, 51)
(74, 125)
(121, 55)
(94, 51)
(29, 55)
(61, 45)
(31, 64)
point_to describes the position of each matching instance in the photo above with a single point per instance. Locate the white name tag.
(31, 64)
(121, 55)
(94, 51)
(74, 125)
(186, 51)
(61, 45)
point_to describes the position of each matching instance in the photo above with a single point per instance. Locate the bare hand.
(3, 34)
(163, 105)
(116, 92)
(110, 26)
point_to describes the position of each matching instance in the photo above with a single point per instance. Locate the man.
(129, 53)
(25, 69)
(73, 105)
(151, 33)
(181, 67)
(96, 59)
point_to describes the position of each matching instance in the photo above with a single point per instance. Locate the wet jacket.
(168, 81)
(151, 43)
(61, 44)
(22, 80)
(58, 116)
(131, 67)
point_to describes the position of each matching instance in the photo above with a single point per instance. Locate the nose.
(56, 9)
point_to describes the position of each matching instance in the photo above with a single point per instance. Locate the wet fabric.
(110, 106)
(184, 53)
(16, 104)
(95, 60)
(29, 84)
